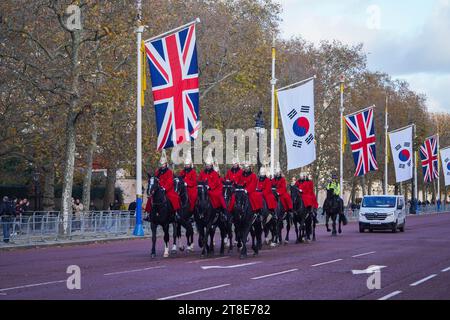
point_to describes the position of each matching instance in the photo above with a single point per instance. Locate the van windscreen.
(379, 202)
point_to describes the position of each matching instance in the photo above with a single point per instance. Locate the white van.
(382, 212)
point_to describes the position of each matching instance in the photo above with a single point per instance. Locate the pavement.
(414, 265)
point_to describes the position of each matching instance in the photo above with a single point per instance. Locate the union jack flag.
(429, 157)
(174, 75)
(361, 130)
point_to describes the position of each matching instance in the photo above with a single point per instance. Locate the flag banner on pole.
(445, 160)
(361, 131)
(174, 74)
(429, 157)
(402, 152)
(297, 116)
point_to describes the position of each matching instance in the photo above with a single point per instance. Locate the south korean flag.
(297, 115)
(402, 153)
(445, 159)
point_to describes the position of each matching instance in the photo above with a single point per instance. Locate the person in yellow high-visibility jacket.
(334, 184)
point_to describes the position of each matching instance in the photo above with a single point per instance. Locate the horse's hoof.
(286, 242)
(153, 256)
(182, 248)
(243, 256)
(328, 230)
(255, 254)
(273, 245)
(340, 231)
(173, 252)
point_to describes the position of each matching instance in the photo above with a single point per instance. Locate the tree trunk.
(88, 172)
(363, 185)
(110, 187)
(369, 187)
(72, 115)
(353, 194)
(48, 201)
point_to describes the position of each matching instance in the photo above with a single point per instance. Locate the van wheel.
(361, 229)
(394, 228)
(402, 228)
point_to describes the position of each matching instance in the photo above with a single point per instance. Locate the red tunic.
(249, 182)
(190, 177)
(285, 197)
(166, 181)
(308, 196)
(265, 187)
(234, 176)
(212, 178)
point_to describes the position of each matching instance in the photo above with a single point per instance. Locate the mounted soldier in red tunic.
(233, 175)
(279, 182)
(212, 178)
(249, 181)
(165, 176)
(306, 186)
(264, 186)
(189, 176)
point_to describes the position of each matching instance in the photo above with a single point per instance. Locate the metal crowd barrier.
(48, 226)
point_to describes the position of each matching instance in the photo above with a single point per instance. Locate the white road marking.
(206, 260)
(230, 267)
(32, 285)
(323, 263)
(363, 254)
(390, 295)
(135, 270)
(274, 274)
(192, 292)
(423, 280)
(446, 269)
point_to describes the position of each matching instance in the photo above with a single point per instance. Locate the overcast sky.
(408, 39)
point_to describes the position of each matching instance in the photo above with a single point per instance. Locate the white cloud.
(413, 41)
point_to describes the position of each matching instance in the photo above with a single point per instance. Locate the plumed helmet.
(163, 160)
(262, 172)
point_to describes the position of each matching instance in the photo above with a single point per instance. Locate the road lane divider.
(423, 280)
(32, 285)
(446, 269)
(390, 295)
(134, 270)
(193, 292)
(274, 274)
(324, 263)
(363, 254)
(230, 267)
(206, 260)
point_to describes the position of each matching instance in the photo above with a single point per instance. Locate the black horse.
(228, 192)
(300, 215)
(184, 215)
(332, 207)
(245, 222)
(270, 224)
(281, 215)
(162, 213)
(207, 220)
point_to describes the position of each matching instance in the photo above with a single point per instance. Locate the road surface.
(415, 265)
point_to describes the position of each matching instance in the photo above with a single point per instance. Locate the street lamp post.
(36, 176)
(259, 128)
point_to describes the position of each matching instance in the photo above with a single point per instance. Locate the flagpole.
(439, 171)
(415, 171)
(197, 20)
(386, 127)
(341, 159)
(273, 82)
(138, 229)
